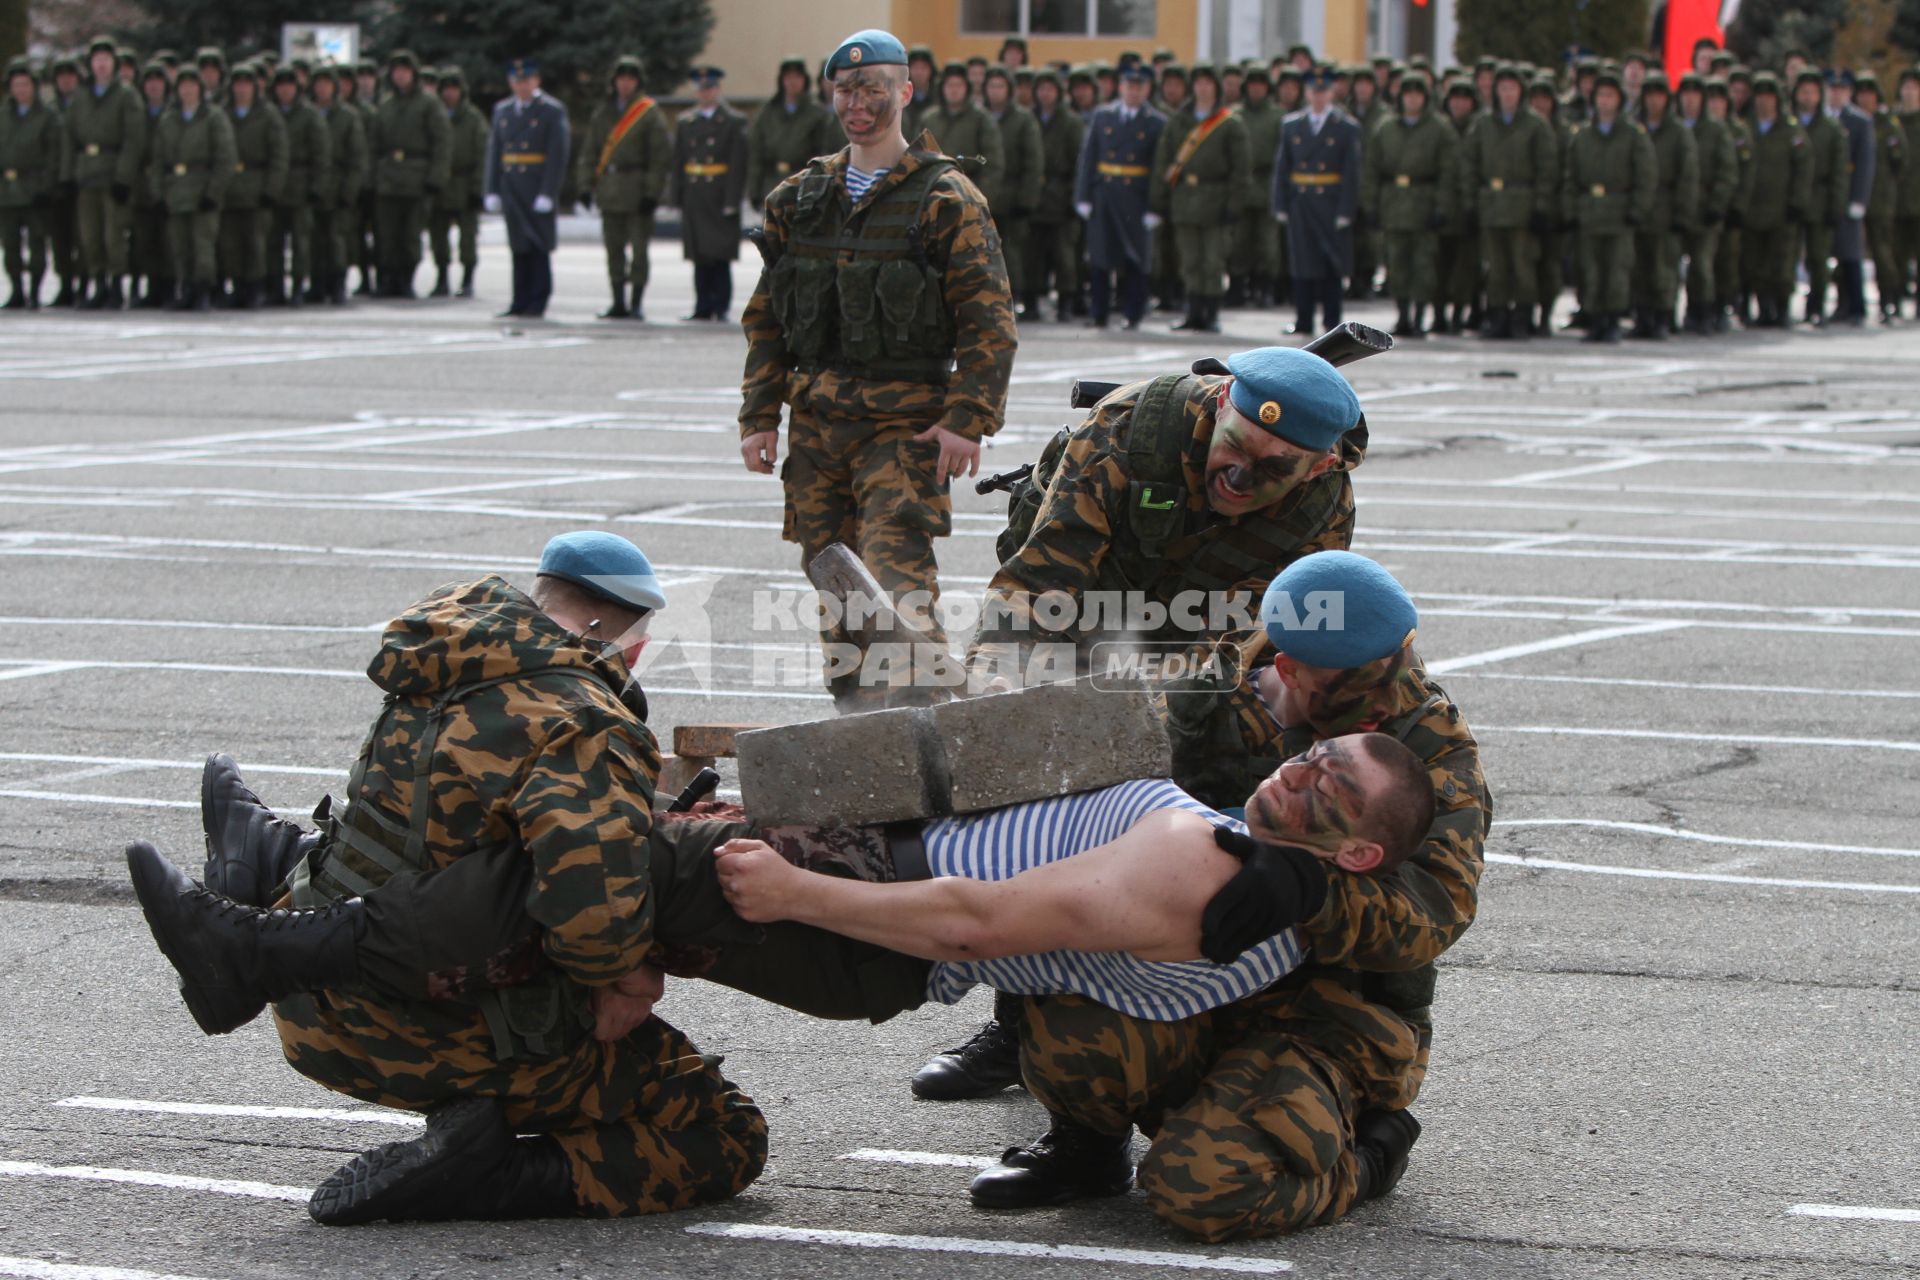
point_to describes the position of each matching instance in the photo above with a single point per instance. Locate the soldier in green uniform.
(790, 130)
(412, 148)
(360, 89)
(1202, 171)
(1719, 182)
(961, 128)
(1054, 247)
(1020, 180)
(33, 155)
(1509, 170)
(336, 190)
(1255, 252)
(193, 166)
(1732, 294)
(1173, 98)
(882, 415)
(1577, 108)
(1460, 242)
(709, 181)
(1890, 164)
(1827, 188)
(107, 136)
(259, 183)
(1609, 195)
(212, 62)
(1411, 184)
(1368, 109)
(309, 157)
(1550, 271)
(1778, 201)
(62, 219)
(1906, 210)
(147, 260)
(458, 204)
(624, 165)
(1659, 242)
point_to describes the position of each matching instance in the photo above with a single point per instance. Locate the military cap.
(1485, 62)
(126, 58)
(1909, 73)
(366, 67)
(189, 73)
(1542, 87)
(1420, 62)
(1082, 71)
(1139, 71)
(1318, 78)
(977, 60)
(1257, 74)
(1458, 88)
(21, 67)
(1337, 611)
(1610, 78)
(1013, 42)
(1693, 82)
(405, 58)
(1656, 82)
(285, 75)
(1101, 67)
(245, 71)
(1023, 75)
(1359, 71)
(1868, 81)
(1806, 74)
(1294, 50)
(1717, 87)
(1742, 74)
(1172, 71)
(1416, 81)
(1206, 69)
(167, 57)
(302, 64)
(98, 43)
(429, 74)
(1722, 58)
(1586, 66)
(327, 71)
(65, 62)
(208, 55)
(453, 77)
(152, 69)
(521, 68)
(1637, 55)
(1509, 71)
(997, 72)
(607, 565)
(628, 65)
(1292, 73)
(1293, 394)
(951, 68)
(919, 53)
(1047, 75)
(1766, 82)
(791, 62)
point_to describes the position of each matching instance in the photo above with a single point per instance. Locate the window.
(1060, 17)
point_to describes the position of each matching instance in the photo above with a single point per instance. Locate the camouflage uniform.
(854, 472)
(1251, 1108)
(553, 762)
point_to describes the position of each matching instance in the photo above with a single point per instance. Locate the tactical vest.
(855, 292)
(1159, 434)
(361, 849)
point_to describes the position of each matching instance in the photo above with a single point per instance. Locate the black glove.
(1732, 218)
(1436, 221)
(1276, 887)
(209, 205)
(647, 206)
(120, 192)
(1539, 225)
(585, 198)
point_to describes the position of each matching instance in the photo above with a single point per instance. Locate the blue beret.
(1294, 394)
(605, 564)
(1337, 610)
(870, 48)
(520, 67)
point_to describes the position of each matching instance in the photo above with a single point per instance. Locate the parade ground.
(1674, 587)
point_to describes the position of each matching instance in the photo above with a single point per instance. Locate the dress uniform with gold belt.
(526, 163)
(708, 183)
(1316, 192)
(1111, 193)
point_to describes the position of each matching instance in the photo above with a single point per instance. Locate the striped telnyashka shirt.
(1000, 844)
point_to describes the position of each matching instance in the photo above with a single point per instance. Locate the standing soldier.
(1256, 237)
(1019, 184)
(149, 261)
(1201, 178)
(360, 89)
(1411, 184)
(1731, 293)
(259, 180)
(709, 179)
(62, 217)
(1849, 229)
(1368, 109)
(624, 166)
(1110, 193)
(194, 165)
(961, 128)
(1906, 212)
(32, 155)
(1827, 189)
(1719, 182)
(411, 145)
(1609, 193)
(1578, 108)
(336, 191)
(1550, 271)
(1460, 242)
(1316, 193)
(107, 134)
(458, 206)
(1173, 98)
(1055, 233)
(309, 159)
(212, 62)
(1889, 168)
(1660, 240)
(1777, 202)
(1508, 168)
(790, 130)
(527, 155)
(881, 415)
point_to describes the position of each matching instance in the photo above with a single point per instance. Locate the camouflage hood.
(471, 631)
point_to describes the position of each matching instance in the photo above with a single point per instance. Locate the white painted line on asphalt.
(22, 668)
(883, 1156)
(149, 1178)
(189, 624)
(1550, 644)
(27, 670)
(148, 762)
(1661, 735)
(145, 1106)
(1695, 685)
(35, 1269)
(995, 1248)
(1648, 873)
(1703, 837)
(1862, 1213)
(1566, 473)
(87, 797)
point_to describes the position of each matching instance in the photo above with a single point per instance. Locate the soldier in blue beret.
(607, 565)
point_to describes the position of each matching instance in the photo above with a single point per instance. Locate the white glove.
(1280, 218)
(1085, 210)
(1342, 222)
(543, 204)
(1856, 211)
(492, 202)
(1152, 220)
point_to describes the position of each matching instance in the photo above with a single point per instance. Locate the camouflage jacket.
(960, 242)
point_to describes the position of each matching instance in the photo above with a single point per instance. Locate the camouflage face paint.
(1338, 702)
(866, 100)
(1312, 800)
(1249, 470)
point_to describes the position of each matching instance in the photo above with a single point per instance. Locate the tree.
(1768, 30)
(1544, 31)
(13, 29)
(1906, 29)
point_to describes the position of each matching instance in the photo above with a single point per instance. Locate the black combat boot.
(317, 287)
(298, 295)
(250, 848)
(1192, 321)
(273, 290)
(253, 295)
(96, 298)
(618, 309)
(1419, 329)
(1068, 1162)
(337, 289)
(1597, 329)
(466, 283)
(116, 294)
(17, 300)
(1381, 1140)
(366, 284)
(233, 959)
(983, 1066)
(200, 297)
(64, 298)
(1498, 324)
(1403, 325)
(466, 1165)
(441, 289)
(33, 291)
(1236, 293)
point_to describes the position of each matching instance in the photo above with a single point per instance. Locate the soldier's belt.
(523, 157)
(181, 170)
(95, 149)
(1496, 184)
(932, 372)
(1408, 180)
(1596, 190)
(240, 166)
(1122, 170)
(704, 170)
(401, 153)
(1315, 179)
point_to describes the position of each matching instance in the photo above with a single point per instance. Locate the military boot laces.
(250, 849)
(468, 1164)
(1382, 1141)
(233, 959)
(1068, 1162)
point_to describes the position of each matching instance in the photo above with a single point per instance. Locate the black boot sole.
(247, 856)
(1040, 1192)
(390, 1181)
(159, 886)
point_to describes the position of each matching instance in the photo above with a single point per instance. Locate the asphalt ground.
(1672, 586)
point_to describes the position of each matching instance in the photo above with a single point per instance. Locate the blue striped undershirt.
(1001, 843)
(859, 181)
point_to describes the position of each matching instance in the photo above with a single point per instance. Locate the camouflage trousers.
(647, 1123)
(1251, 1126)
